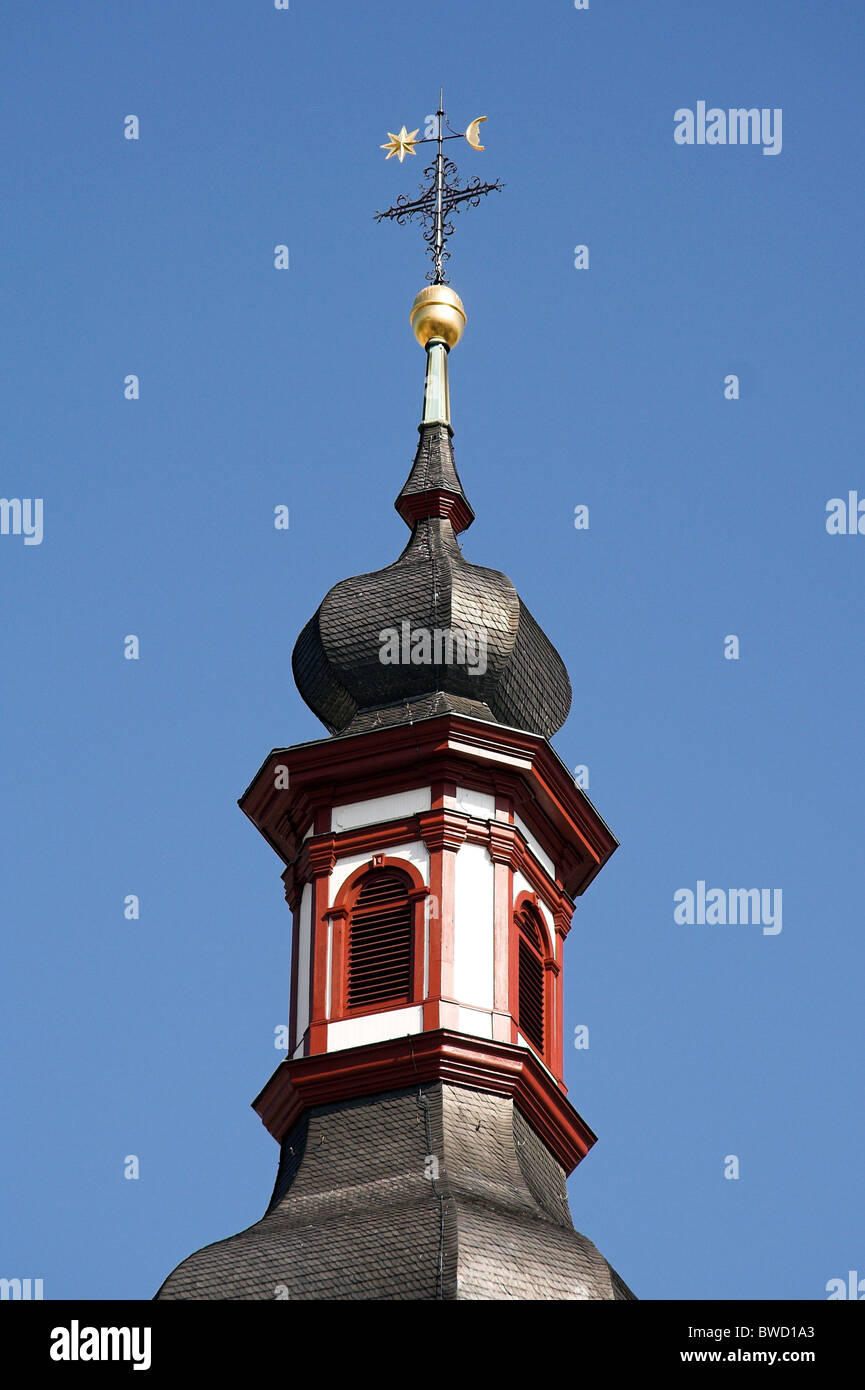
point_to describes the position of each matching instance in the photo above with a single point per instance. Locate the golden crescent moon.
(472, 133)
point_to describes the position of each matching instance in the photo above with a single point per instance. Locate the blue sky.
(602, 387)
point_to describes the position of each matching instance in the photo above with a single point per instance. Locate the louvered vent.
(380, 943)
(531, 982)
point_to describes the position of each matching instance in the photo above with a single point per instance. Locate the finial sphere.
(438, 313)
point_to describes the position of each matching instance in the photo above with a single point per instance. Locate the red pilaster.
(503, 850)
(443, 831)
(293, 893)
(321, 861)
(562, 921)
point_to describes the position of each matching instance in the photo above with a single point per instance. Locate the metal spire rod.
(440, 181)
(442, 195)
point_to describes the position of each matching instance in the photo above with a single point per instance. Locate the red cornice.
(504, 846)
(439, 829)
(478, 1064)
(321, 854)
(443, 829)
(452, 748)
(436, 501)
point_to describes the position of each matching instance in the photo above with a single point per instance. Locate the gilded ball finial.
(438, 312)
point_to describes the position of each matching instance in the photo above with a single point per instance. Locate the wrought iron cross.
(441, 195)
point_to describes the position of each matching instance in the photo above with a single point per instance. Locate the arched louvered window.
(380, 941)
(530, 967)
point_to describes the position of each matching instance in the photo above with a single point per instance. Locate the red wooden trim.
(417, 898)
(503, 849)
(503, 890)
(551, 970)
(382, 835)
(321, 858)
(451, 747)
(440, 789)
(497, 1068)
(435, 925)
(514, 971)
(532, 900)
(295, 954)
(443, 826)
(447, 907)
(344, 900)
(443, 831)
(293, 887)
(436, 502)
(340, 916)
(505, 844)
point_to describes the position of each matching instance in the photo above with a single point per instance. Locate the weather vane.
(441, 195)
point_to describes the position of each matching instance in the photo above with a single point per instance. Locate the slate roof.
(521, 680)
(434, 469)
(434, 1193)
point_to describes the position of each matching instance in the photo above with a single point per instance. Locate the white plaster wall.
(475, 1023)
(473, 927)
(481, 805)
(535, 847)
(372, 1028)
(521, 885)
(302, 983)
(379, 809)
(415, 852)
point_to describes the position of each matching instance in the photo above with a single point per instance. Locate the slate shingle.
(360, 1211)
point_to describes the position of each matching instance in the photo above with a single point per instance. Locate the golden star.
(401, 144)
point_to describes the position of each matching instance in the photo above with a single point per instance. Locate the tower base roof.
(425, 1193)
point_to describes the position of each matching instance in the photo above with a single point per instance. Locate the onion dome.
(431, 632)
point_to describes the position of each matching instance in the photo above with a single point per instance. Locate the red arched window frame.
(533, 974)
(354, 903)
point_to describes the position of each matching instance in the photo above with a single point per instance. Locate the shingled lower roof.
(433, 1193)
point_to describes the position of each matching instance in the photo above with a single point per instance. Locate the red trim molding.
(440, 829)
(340, 916)
(436, 501)
(552, 992)
(478, 1064)
(447, 749)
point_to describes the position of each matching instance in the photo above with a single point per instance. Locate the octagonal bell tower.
(434, 846)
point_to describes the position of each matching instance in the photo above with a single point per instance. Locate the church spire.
(437, 316)
(432, 850)
(433, 487)
(343, 666)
